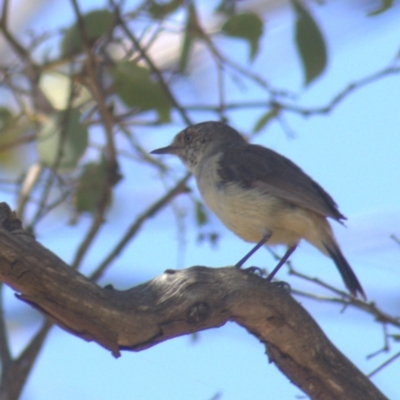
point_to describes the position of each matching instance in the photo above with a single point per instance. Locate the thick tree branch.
(177, 303)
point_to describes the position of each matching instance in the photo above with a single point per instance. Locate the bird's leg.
(254, 249)
(282, 261)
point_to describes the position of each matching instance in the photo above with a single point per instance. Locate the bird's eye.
(188, 138)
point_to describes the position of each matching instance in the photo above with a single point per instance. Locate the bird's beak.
(165, 150)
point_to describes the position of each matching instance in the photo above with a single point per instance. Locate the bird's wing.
(256, 166)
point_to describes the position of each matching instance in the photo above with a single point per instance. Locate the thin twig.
(18, 141)
(395, 238)
(4, 348)
(392, 70)
(63, 124)
(94, 228)
(383, 365)
(31, 70)
(107, 122)
(22, 366)
(30, 180)
(153, 68)
(346, 300)
(97, 91)
(19, 49)
(134, 228)
(386, 343)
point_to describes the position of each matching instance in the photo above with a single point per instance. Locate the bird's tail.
(348, 275)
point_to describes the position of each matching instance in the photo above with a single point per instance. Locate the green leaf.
(62, 140)
(135, 87)
(6, 117)
(265, 119)
(201, 216)
(10, 129)
(90, 186)
(97, 23)
(385, 5)
(248, 26)
(213, 237)
(395, 337)
(226, 7)
(310, 43)
(190, 34)
(186, 48)
(158, 10)
(56, 87)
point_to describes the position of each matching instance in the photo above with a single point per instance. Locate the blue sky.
(354, 153)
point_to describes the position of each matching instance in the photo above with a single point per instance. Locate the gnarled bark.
(177, 303)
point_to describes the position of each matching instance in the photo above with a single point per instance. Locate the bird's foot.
(283, 285)
(256, 271)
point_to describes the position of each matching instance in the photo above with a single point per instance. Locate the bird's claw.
(283, 285)
(255, 270)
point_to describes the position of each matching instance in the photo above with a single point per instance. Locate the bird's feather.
(254, 166)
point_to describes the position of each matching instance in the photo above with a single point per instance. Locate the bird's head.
(197, 141)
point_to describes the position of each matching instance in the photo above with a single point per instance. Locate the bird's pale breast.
(249, 212)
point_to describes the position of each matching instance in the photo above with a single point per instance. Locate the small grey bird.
(260, 195)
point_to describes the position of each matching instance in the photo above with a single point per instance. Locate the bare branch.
(177, 303)
(153, 68)
(4, 349)
(14, 377)
(98, 94)
(280, 105)
(134, 228)
(383, 365)
(346, 300)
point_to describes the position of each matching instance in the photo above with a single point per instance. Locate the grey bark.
(177, 303)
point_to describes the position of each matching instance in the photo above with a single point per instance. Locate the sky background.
(354, 153)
